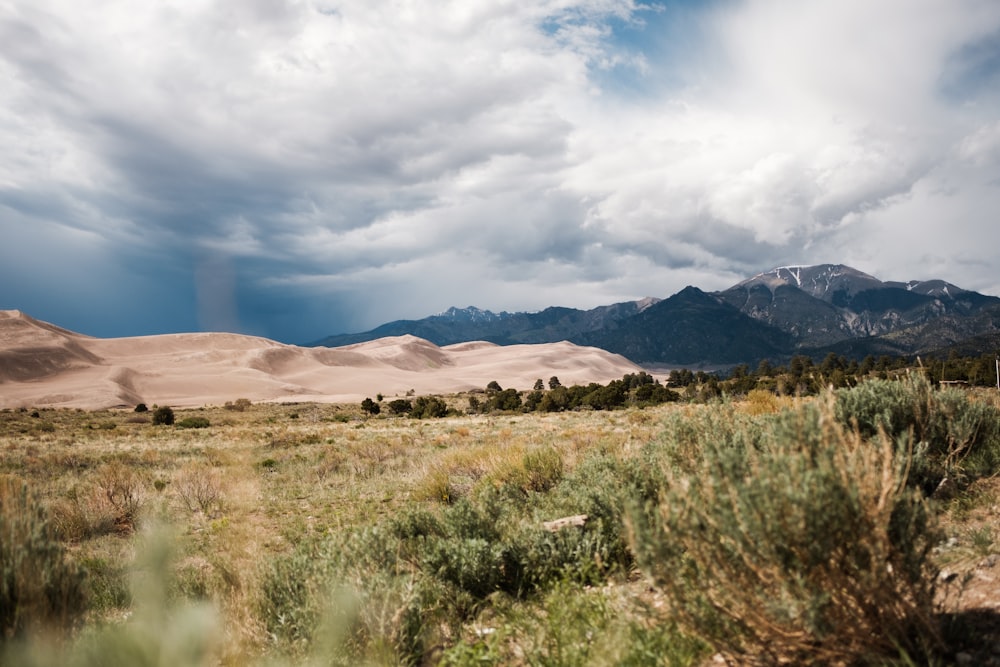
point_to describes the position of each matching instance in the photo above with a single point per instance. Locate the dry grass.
(263, 480)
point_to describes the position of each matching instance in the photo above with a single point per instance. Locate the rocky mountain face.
(810, 310)
(826, 304)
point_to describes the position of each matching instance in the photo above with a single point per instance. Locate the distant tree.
(681, 377)
(141, 407)
(506, 400)
(555, 400)
(494, 386)
(539, 385)
(370, 406)
(427, 407)
(554, 382)
(379, 397)
(400, 406)
(533, 400)
(163, 415)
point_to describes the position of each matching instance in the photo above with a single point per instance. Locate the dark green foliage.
(400, 406)
(40, 588)
(532, 400)
(608, 397)
(194, 422)
(370, 407)
(428, 407)
(493, 386)
(506, 400)
(163, 416)
(555, 400)
(141, 407)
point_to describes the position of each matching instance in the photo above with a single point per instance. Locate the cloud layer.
(305, 167)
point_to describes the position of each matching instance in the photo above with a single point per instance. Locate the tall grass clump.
(953, 436)
(808, 549)
(40, 588)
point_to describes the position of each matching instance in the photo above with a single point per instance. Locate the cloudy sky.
(298, 168)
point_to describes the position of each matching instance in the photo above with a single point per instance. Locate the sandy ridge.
(44, 365)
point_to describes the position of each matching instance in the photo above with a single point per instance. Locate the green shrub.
(163, 416)
(952, 435)
(504, 400)
(39, 586)
(809, 548)
(194, 422)
(400, 406)
(429, 407)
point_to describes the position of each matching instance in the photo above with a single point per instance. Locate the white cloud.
(473, 150)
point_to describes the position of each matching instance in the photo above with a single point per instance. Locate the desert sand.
(42, 365)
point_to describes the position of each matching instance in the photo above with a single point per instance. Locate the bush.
(121, 487)
(39, 586)
(952, 436)
(429, 407)
(194, 422)
(141, 407)
(809, 548)
(370, 406)
(163, 416)
(505, 400)
(400, 406)
(239, 405)
(199, 488)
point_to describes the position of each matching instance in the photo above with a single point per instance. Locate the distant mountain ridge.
(460, 325)
(788, 310)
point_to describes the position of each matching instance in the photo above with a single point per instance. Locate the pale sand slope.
(43, 365)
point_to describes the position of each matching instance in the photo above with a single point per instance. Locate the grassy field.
(757, 531)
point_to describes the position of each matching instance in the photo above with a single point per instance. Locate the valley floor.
(254, 501)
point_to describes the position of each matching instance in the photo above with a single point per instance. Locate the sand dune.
(44, 365)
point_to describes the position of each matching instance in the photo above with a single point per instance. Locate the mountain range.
(811, 310)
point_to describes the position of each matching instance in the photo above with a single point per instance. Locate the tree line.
(801, 376)
(634, 389)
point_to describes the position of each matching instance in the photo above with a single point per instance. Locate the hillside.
(43, 365)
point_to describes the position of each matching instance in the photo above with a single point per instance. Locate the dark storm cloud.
(295, 169)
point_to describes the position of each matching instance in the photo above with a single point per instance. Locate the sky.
(300, 168)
